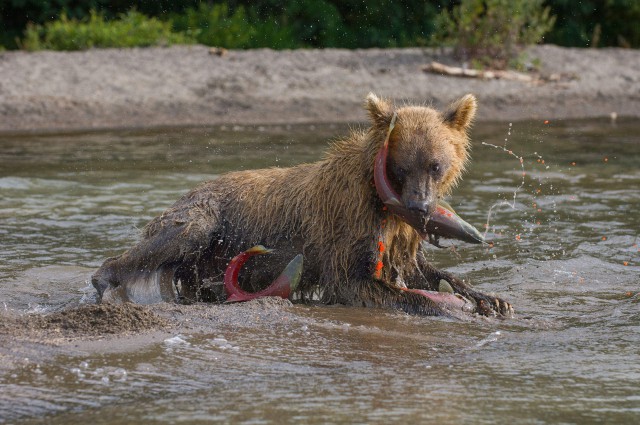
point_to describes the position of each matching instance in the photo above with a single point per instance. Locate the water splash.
(512, 202)
(504, 202)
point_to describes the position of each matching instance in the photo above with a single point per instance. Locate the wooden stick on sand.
(455, 71)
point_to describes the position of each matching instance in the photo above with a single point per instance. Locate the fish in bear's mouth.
(441, 222)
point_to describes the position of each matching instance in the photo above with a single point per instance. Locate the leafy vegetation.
(217, 25)
(493, 32)
(130, 30)
(306, 23)
(596, 23)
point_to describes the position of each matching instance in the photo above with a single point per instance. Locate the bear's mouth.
(441, 222)
(418, 220)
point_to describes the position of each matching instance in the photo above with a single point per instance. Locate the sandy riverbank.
(186, 85)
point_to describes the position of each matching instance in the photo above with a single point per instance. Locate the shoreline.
(183, 86)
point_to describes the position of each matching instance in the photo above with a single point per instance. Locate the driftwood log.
(455, 71)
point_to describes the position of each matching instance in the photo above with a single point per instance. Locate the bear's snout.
(422, 206)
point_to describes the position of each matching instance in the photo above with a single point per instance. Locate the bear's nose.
(421, 207)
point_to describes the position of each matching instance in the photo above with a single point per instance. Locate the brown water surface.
(565, 254)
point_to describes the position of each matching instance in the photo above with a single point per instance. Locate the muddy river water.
(564, 222)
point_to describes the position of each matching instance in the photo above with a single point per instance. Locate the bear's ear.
(379, 110)
(460, 114)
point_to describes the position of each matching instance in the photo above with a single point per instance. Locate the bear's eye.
(435, 170)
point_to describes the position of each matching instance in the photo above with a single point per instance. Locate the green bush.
(579, 23)
(352, 23)
(129, 30)
(215, 25)
(273, 34)
(240, 28)
(313, 23)
(493, 32)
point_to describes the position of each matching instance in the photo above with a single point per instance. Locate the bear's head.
(427, 151)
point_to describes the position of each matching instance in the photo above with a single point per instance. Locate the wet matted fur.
(328, 210)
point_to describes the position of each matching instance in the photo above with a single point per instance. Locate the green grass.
(209, 24)
(131, 29)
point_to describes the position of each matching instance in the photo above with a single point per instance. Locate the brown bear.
(329, 211)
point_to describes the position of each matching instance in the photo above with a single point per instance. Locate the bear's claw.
(486, 305)
(490, 306)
